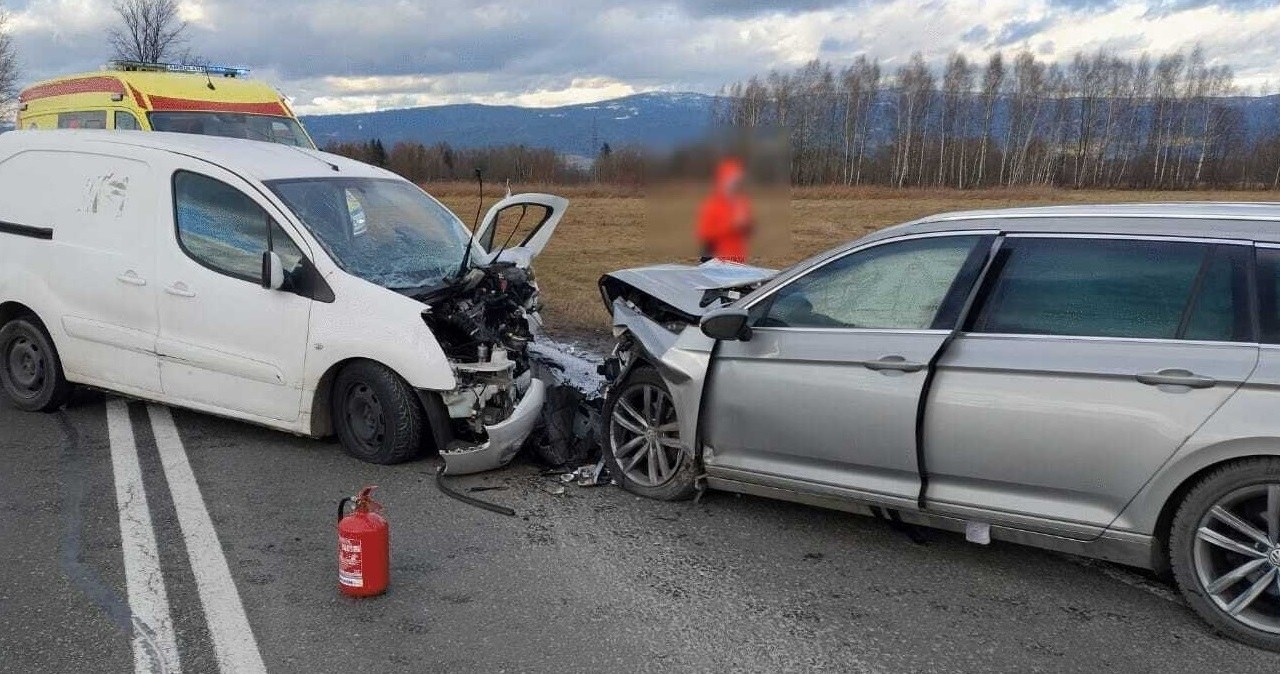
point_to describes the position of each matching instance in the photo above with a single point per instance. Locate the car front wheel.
(376, 414)
(643, 447)
(1224, 548)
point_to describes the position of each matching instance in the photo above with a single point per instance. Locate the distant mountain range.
(654, 120)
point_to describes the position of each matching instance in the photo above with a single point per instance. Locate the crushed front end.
(482, 321)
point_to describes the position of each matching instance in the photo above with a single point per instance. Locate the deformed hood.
(686, 288)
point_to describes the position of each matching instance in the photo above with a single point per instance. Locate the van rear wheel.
(376, 414)
(30, 370)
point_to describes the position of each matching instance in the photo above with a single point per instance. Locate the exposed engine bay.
(482, 320)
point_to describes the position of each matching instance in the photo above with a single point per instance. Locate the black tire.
(377, 416)
(680, 484)
(30, 370)
(1212, 489)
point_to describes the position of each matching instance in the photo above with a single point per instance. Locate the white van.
(281, 286)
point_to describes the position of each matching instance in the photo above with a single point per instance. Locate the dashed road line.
(155, 648)
(233, 641)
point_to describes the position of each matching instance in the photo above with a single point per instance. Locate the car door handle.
(131, 277)
(180, 290)
(893, 363)
(1175, 377)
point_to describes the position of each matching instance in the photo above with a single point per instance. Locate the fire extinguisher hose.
(469, 500)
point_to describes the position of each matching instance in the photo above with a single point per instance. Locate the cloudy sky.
(356, 55)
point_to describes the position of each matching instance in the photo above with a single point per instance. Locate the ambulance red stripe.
(165, 103)
(83, 85)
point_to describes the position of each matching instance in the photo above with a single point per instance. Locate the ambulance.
(196, 99)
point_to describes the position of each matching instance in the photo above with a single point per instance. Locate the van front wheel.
(30, 370)
(376, 414)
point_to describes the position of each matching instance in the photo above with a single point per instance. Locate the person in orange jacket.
(725, 221)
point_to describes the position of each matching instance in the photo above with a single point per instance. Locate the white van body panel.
(129, 311)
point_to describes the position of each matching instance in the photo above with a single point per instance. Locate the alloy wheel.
(1237, 556)
(644, 435)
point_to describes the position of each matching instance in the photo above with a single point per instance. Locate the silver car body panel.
(1056, 434)
(856, 420)
(1123, 449)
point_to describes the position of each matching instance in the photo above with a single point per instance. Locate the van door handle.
(893, 363)
(1176, 377)
(180, 289)
(131, 277)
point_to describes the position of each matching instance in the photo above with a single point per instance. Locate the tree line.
(422, 163)
(1099, 120)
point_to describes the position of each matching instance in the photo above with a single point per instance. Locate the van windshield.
(271, 128)
(384, 231)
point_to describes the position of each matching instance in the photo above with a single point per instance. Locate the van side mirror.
(727, 323)
(272, 271)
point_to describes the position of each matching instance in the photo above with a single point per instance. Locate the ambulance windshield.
(270, 128)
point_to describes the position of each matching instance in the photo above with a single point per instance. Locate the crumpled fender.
(682, 360)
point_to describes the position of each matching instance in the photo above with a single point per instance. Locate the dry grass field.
(606, 229)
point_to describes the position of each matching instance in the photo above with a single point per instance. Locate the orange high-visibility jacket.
(725, 219)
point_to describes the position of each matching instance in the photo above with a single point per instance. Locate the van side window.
(126, 121)
(1096, 288)
(898, 285)
(223, 229)
(84, 119)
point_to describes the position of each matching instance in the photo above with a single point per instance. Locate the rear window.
(1117, 288)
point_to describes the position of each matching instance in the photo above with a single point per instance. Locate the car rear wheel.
(30, 370)
(1224, 548)
(643, 447)
(376, 414)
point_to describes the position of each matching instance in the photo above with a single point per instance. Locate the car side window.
(1220, 310)
(225, 230)
(1096, 287)
(1269, 294)
(125, 121)
(897, 285)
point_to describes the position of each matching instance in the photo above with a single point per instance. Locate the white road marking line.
(155, 649)
(233, 640)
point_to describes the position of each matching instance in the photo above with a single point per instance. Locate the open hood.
(688, 289)
(518, 227)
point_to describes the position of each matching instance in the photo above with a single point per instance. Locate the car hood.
(689, 288)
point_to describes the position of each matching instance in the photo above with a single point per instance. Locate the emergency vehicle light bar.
(222, 71)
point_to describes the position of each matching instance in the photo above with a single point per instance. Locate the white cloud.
(337, 55)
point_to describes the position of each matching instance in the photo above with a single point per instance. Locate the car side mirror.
(727, 323)
(272, 271)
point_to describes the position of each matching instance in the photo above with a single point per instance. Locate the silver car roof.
(1253, 221)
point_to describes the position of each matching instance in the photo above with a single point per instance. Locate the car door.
(824, 395)
(520, 225)
(1086, 364)
(225, 341)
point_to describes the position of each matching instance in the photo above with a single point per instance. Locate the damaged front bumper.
(504, 437)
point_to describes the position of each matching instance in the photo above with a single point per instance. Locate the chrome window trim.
(866, 246)
(1101, 216)
(876, 331)
(1096, 338)
(1129, 237)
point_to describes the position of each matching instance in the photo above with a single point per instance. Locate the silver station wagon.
(1100, 380)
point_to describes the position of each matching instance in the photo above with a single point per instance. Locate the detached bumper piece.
(504, 438)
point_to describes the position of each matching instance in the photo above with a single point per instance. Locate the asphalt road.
(590, 580)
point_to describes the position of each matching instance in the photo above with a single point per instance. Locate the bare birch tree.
(151, 31)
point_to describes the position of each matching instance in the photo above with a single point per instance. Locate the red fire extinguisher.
(364, 558)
